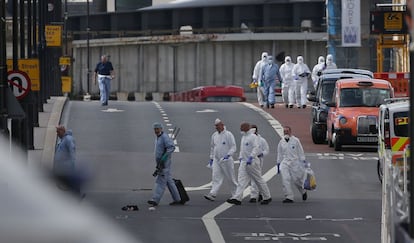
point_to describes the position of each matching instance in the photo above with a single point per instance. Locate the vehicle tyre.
(336, 143)
(316, 137)
(380, 171)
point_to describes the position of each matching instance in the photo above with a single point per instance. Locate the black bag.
(181, 191)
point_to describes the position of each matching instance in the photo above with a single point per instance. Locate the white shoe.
(210, 197)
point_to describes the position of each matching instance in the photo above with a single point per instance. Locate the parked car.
(227, 93)
(322, 94)
(353, 114)
(393, 135)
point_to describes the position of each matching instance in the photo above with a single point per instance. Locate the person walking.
(222, 148)
(271, 75)
(300, 73)
(105, 73)
(64, 162)
(264, 150)
(290, 164)
(258, 78)
(164, 147)
(288, 85)
(249, 166)
(317, 70)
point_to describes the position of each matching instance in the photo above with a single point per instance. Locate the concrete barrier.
(122, 96)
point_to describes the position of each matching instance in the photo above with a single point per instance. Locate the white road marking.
(206, 111)
(199, 188)
(110, 110)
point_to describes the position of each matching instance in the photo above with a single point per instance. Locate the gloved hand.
(240, 160)
(226, 157)
(278, 168)
(260, 155)
(210, 162)
(249, 160)
(164, 157)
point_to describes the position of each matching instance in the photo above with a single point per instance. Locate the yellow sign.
(66, 84)
(53, 35)
(29, 66)
(64, 61)
(393, 21)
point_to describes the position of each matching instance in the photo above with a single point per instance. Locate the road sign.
(19, 82)
(31, 67)
(53, 35)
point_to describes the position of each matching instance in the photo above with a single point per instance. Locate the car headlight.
(342, 120)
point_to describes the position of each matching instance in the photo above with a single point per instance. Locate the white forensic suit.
(223, 146)
(264, 148)
(258, 78)
(288, 85)
(317, 70)
(330, 62)
(300, 74)
(290, 156)
(249, 150)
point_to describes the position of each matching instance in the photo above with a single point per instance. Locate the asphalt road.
(115, 146)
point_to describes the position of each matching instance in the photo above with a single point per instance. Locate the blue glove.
(240, 160)
(249, 160)
(260, 155)
(278, 168)
(226, 157)
(210, 162)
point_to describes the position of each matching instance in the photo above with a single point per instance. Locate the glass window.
(401, 124)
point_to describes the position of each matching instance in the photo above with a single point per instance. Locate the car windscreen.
(326, 91)
(363, 97)
(401, 124)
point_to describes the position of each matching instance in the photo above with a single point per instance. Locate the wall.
(147, 64)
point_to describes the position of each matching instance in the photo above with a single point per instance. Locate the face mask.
(286, 136)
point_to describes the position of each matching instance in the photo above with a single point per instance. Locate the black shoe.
(267, 106)
(303, 106)
(177, 203)
(252, 200)
(304, 196)
(290, 106)
(261, 106)
(266, 201)
(299, 107)
(272, 106)
(233, 201)
(286, 105)
(260, 198)
(152, 202)
(287, 200)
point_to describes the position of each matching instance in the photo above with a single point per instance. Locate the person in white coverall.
(249, 168)
(222, 147)
(271, 76)
(317, 70)
(258, 78)
(290, 164)
(300, 74)
(288, 85)
(330, 64)
(264, 148)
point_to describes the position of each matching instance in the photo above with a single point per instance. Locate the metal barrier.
(395, 200)
(398, 80)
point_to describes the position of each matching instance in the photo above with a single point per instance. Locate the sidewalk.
(45, 135)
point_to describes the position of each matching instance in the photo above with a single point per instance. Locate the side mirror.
(311, 96)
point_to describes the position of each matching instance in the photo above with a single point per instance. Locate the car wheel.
(336, 143)
(380, 171)
(317, 138)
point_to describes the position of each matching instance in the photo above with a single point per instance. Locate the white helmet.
(264, 55)
(321, 60)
